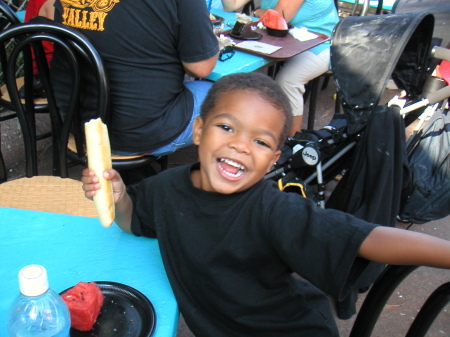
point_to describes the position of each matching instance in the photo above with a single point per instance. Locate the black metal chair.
(3, 175)
(8, 16)
(56, 193)
(29, 37)
(79, 53)
(9, 19)
(379, 294)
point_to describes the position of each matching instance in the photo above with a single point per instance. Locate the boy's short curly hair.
(258, 83)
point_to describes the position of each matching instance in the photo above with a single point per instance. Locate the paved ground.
(402, 306)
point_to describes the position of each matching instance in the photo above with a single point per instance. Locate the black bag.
(428, 198)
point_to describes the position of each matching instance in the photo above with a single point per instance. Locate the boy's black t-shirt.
(229, 257)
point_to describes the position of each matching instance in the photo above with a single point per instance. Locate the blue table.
(74, 249)
(21, 15)
(240, 62)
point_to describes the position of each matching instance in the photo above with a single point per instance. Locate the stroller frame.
(393, 46)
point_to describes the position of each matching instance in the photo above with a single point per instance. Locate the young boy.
(231, 240)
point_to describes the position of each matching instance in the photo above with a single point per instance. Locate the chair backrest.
(78, 50)
(9, 17)
(7, 20)
(381, 291)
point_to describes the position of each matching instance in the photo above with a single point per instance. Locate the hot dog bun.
(99, 160)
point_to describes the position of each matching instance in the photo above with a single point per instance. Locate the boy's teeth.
(233, 163)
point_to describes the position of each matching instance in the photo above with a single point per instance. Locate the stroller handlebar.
(441, 53)
(439, 95)
(431, 99)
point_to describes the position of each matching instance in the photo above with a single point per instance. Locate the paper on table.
(302, 34)
(260, 47)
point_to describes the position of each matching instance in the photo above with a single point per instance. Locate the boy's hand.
(91, 184)
(124, 205)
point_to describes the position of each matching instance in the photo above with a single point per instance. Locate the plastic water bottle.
(38, 311)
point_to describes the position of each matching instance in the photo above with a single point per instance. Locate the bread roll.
(99, 160)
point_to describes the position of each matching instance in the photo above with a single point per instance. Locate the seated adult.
(317, 15)
(147, 48)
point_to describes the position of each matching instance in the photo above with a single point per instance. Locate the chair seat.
(47, 194)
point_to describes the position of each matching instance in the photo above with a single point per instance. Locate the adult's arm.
(403, 247)
(232, 5)
(287, 8)
(198, 46)
(48, 9)
(202, 68)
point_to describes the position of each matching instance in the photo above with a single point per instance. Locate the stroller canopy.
(440, 10)
(366, 51)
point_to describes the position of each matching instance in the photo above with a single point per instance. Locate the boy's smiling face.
(237, 142)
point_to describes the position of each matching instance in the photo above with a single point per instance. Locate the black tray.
(125, 312)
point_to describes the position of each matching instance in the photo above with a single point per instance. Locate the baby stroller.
(365, 53)
(367, 141)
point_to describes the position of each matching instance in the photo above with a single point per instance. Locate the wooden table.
(73, 249)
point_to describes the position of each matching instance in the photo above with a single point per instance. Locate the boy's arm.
(122, 201)
(402, 247)
(124, 210)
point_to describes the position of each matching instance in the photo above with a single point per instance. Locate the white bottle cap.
(33, 280)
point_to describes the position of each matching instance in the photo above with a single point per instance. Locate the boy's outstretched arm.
(402, 247)
(122, 201)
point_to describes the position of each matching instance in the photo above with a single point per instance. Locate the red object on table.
(84, 301)
(273, 19)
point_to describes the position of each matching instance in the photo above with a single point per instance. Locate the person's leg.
(199, 90)
(293, 76)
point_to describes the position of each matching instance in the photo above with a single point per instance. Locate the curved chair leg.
(2, 169)
(379, 7)
(313, 102)
(377, 297)
(429, 311)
